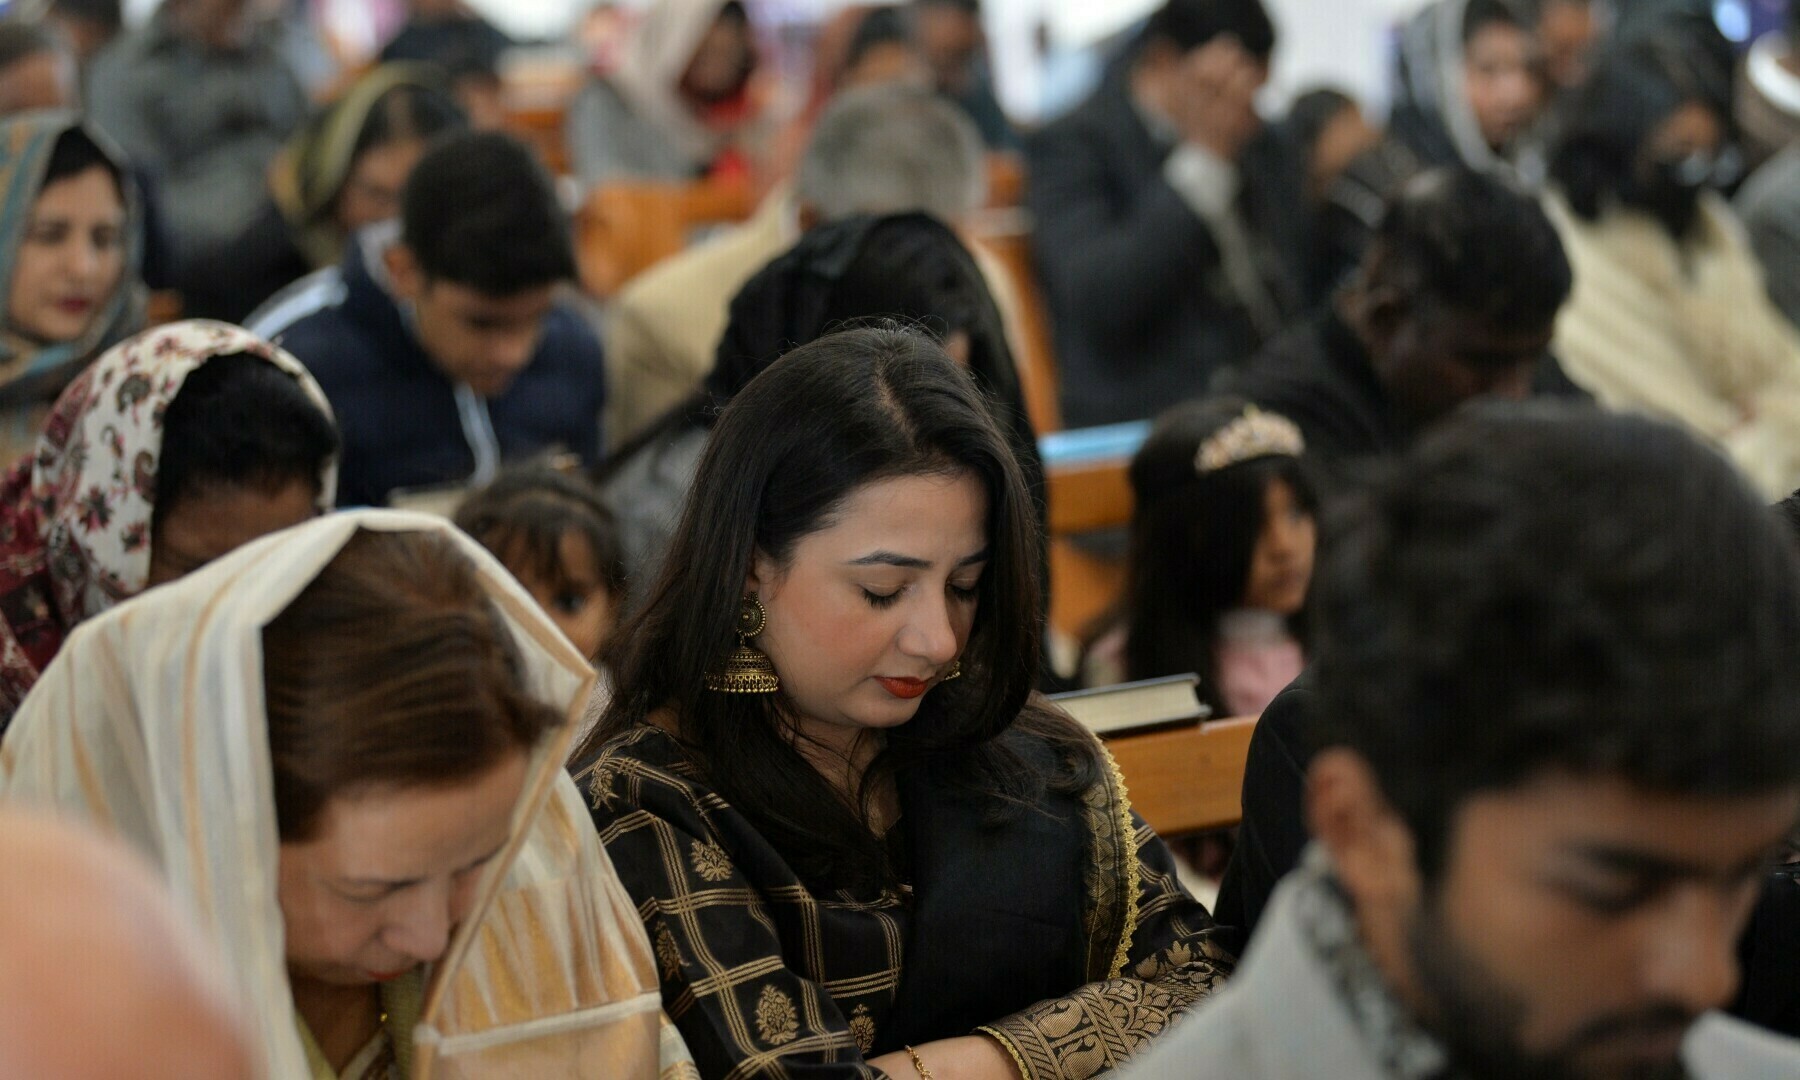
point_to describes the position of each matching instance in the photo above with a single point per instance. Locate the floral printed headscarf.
(75, 518)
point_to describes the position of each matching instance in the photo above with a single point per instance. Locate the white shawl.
(152, 724)
(1683, 332)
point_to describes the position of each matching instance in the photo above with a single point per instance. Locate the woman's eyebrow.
(909, 562)
(890, 558)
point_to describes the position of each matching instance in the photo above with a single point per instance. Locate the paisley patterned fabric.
(75, 517)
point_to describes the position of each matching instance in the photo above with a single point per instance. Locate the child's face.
(582, 607)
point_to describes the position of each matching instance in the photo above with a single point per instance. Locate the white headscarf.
(656, 56)
(152, 723)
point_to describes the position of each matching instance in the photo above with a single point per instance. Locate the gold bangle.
(919, 1064)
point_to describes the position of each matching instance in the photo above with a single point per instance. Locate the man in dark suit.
(1168, 231)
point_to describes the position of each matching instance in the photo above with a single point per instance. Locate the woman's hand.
(971, 1057)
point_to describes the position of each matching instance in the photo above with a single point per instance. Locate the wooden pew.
(541, 128)
(1006, 235)
(623, 229)
(1084, 498)
(1187, 779)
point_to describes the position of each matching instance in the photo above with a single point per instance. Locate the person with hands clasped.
(1166, 234)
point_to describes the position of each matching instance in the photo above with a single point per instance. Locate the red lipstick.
(905, 689)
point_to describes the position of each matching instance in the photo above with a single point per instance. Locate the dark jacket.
(398, 412)
(1320, 376)
(1143, 312)
(229, 283)
(1273, 832)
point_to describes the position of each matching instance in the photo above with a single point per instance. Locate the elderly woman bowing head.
(343, 745)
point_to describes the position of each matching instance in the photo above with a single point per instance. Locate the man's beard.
(1479, 1021)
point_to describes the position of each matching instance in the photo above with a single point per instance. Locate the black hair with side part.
(1547, 589)
(825, 421)
(1189, 24)
(523, 516)
(241, 422)
(481, 212)
(1474, 244)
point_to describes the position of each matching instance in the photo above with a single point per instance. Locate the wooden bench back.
(1189, 779)
(624, 229)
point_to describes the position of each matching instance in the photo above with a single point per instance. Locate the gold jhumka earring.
(747, 670)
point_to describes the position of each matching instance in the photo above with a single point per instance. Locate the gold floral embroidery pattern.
(668, 954)
(776, 1020)
(600, 785)
(710, 861)
(862, 1029)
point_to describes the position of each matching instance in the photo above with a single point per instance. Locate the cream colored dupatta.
(151, 723)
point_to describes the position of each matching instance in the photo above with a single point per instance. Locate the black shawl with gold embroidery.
(1063, 932)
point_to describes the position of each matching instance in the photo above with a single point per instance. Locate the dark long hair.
(848, 410)
(1193, 536)
(908, 267)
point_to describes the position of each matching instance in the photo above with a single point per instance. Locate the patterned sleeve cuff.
(1074, 1037)
(1011, 1049)
(1102, 1025)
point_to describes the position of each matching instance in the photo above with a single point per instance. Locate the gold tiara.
(1253, 435)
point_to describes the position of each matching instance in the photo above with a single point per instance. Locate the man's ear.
(404, 272)
(1372, 849)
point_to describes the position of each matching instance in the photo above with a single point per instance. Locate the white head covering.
(152, 723)
(656, 55)
(1432, 77)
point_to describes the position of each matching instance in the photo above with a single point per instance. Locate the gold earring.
(955, 671)
(747, 670)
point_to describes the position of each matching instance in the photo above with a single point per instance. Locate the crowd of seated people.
(419, 661)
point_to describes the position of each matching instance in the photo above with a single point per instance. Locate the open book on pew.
(1128, 708)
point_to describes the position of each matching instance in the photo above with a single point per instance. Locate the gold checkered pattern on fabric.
(764, 978)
